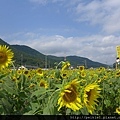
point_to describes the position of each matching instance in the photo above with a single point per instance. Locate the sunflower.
(74, 84)
(64, 74)
(69, 97)
(32, 85)
(27, 73)
(101, 69)
(13, 78)
(39, 72)
(65, 65)
(99, 80)
(43, 83)
(118, 74)
(1, 81)
(83, 74)
(82, 68)
(118, 110)
(6, 56)
(91, 93)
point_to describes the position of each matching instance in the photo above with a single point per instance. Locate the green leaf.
(31, 112)
(2, 94)
(3, 75)
(34, 106)
(23, 81)
(58, 85)
(49, 110)
(9, 89)
(54, 98)
(22, 95)
(6, 105)
(84, 111)
(57, 73)
(107, 102)
(46, 111)
(39, 92)
(68, 111)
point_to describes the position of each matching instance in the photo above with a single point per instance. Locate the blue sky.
(86, 28)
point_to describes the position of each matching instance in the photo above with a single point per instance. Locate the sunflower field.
(56, 91)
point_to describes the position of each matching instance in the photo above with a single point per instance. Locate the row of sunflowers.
(57, 91)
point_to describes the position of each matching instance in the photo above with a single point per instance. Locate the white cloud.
(97, 48)
(39, 1)
(104, 12)
(43, 2)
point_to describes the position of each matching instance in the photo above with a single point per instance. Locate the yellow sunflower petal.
(6, 56)
(91, 93)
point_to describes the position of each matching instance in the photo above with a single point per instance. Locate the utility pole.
(46, 61)
(85, 64)
(65, 58)
(21, 59)
(49, 63)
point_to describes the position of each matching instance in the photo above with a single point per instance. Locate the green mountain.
(27, 56)
(2, 42)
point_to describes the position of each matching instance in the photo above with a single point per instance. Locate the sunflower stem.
(13, 66)
(52, 95)
(102, 98)
(59, 64)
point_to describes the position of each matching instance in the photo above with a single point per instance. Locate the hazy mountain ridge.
(25, 55)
